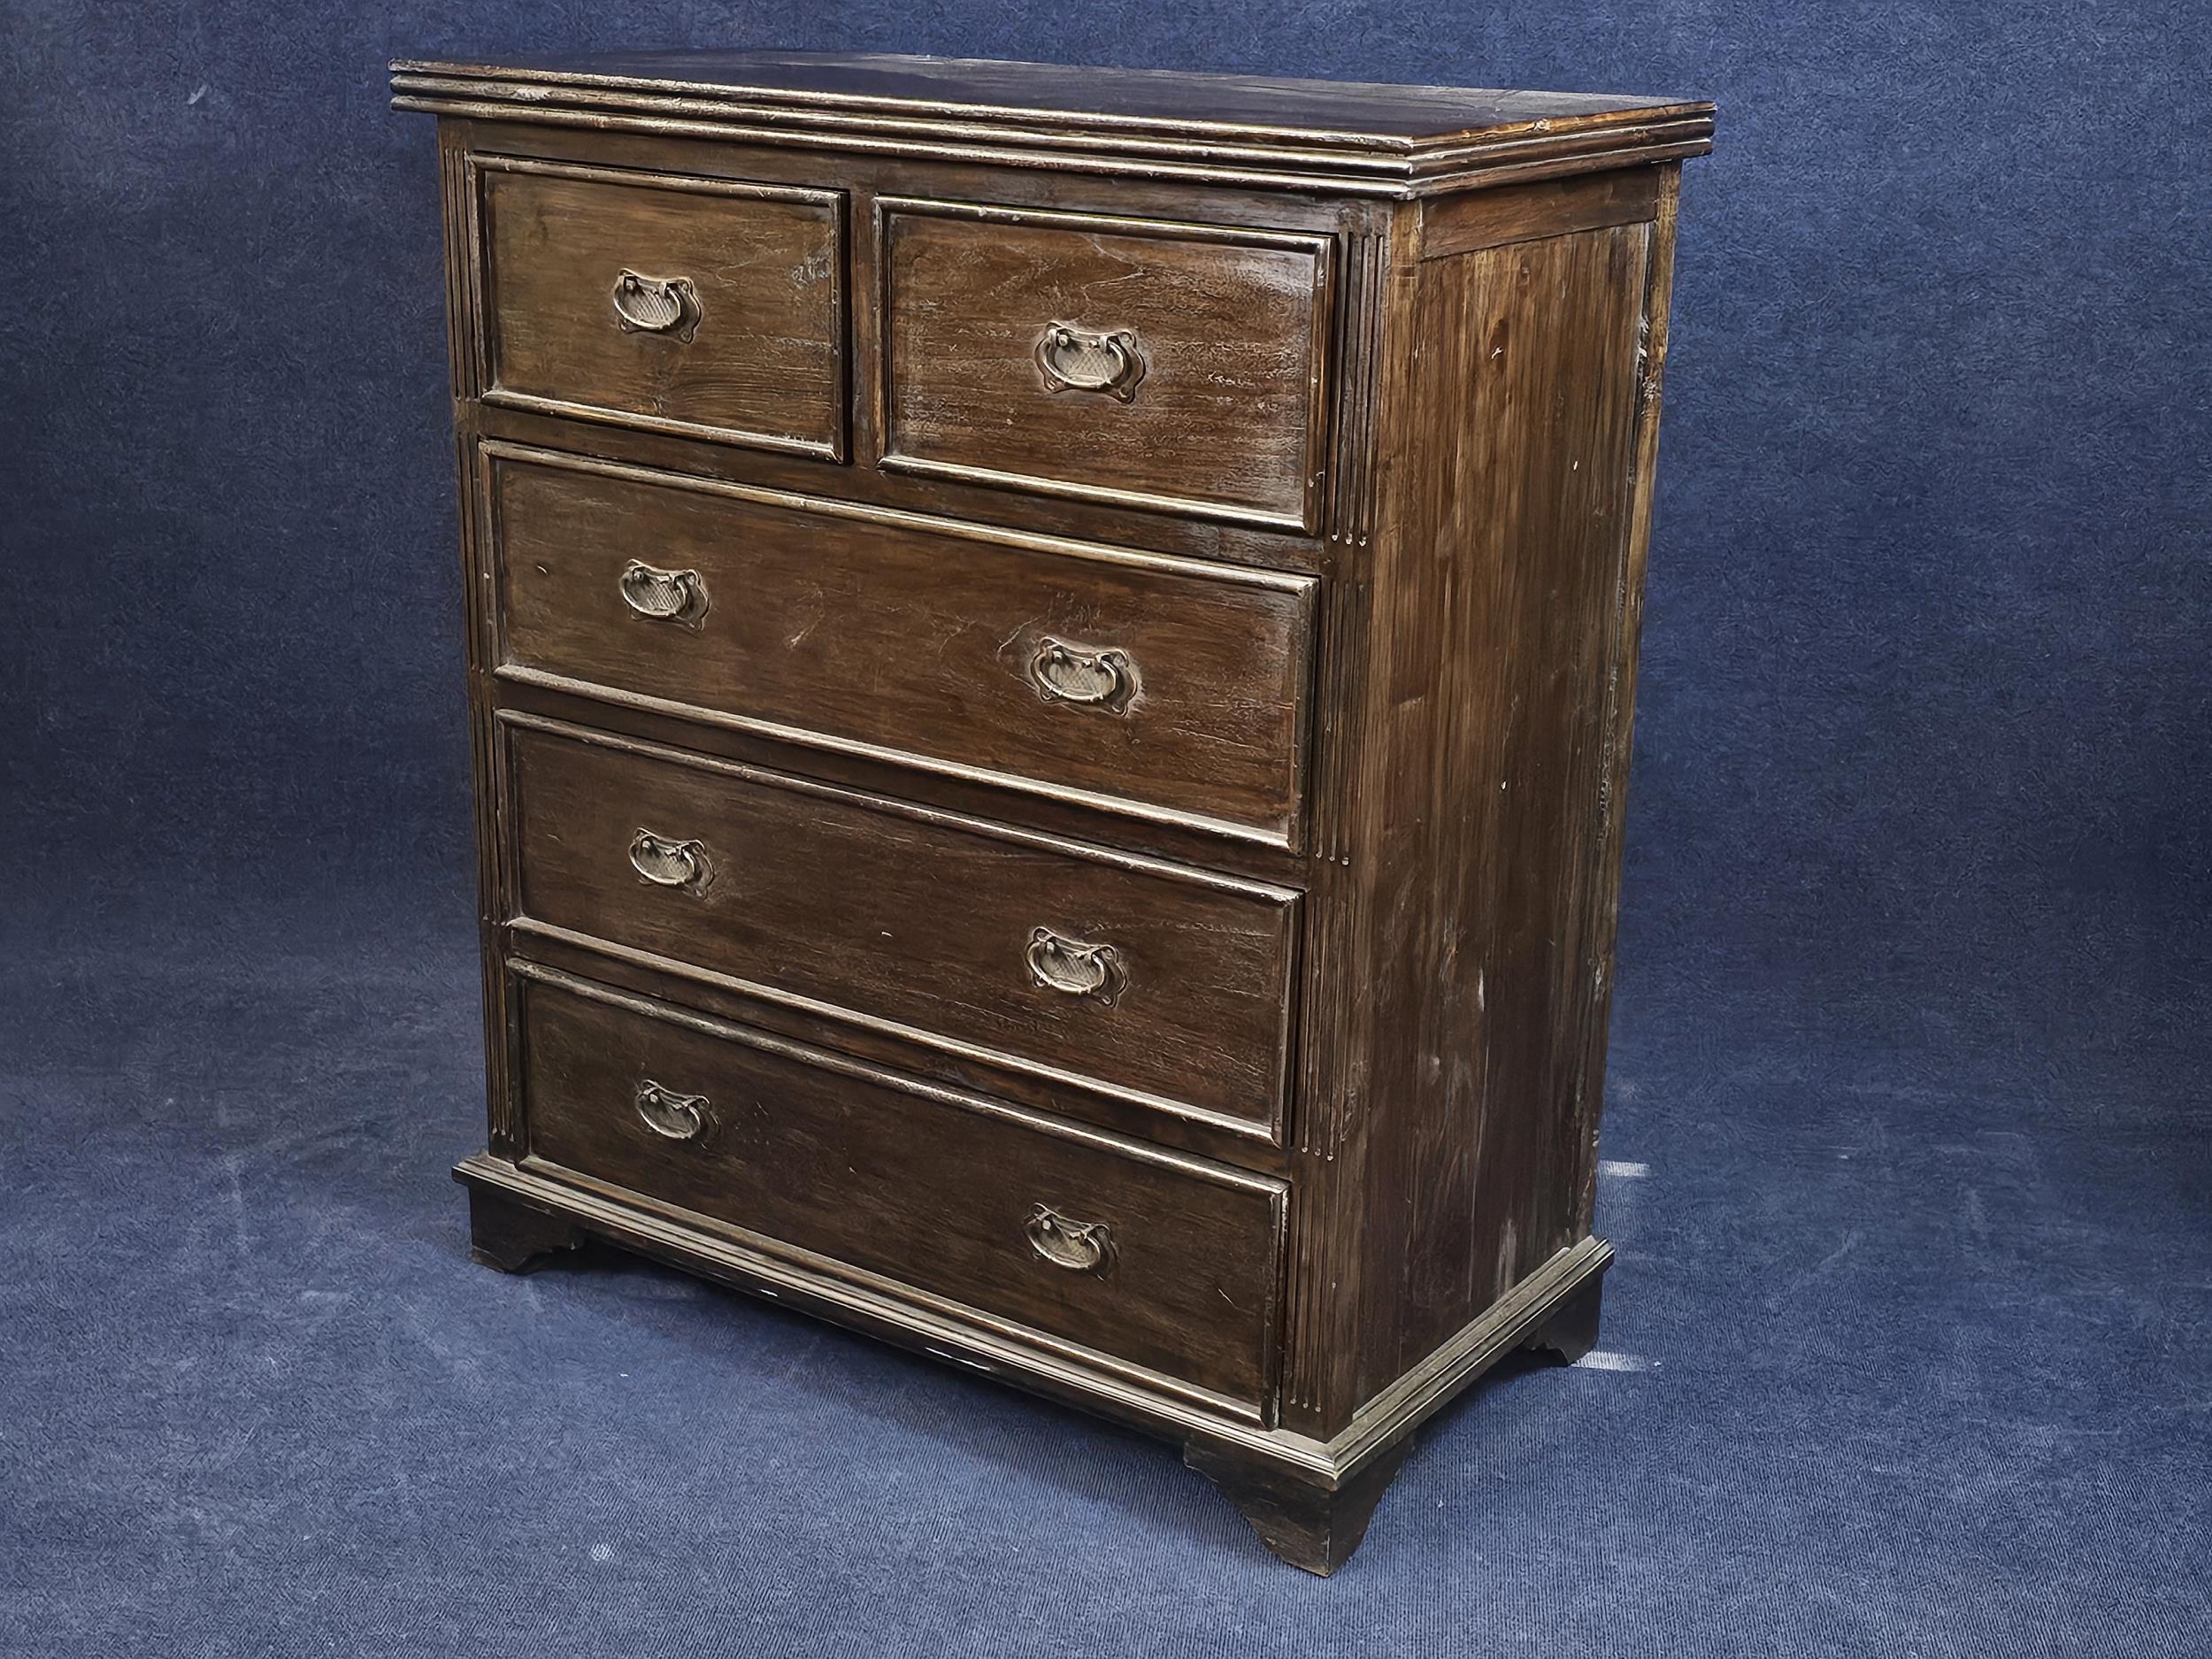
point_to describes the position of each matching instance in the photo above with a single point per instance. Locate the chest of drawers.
(1051, 655)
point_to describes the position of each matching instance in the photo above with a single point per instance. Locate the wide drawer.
(1145, 362)
(1167, 1262)
(1174, 688)
(1163, 986)
(703, 307)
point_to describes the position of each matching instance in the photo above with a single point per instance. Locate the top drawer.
(1141, 362)
(700, 307)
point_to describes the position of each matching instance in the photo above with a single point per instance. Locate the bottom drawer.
(1160, 1259)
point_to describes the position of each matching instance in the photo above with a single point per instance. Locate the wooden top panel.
(1395, 140)
(1251, 105)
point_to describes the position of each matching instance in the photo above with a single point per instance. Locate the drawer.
(1155, 364)
(1167, 1262)
(1173, 687)
(701, 307)
(1166, 987)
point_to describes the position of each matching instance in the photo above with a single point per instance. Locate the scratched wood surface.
(1368, 532)
(1353, 138)
(1477, 807)
(927, 636)
(1229, 329)
(866, 181)
(920, 920)
(979, 86)
(916, 1187)
(764, 359)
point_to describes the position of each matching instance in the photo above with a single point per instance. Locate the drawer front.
(1162, 684)
(1166, 987)
(1173, 366)
(1166, 1262)
(694, 306)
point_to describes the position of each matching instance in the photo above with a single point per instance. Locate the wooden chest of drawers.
(1052, 659)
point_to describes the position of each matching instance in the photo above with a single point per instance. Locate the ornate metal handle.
(663, 596)
(1075, 969)
(1063, 672)
(1074, 359)
(656, 305)
(1081, 1246)
(678, 1116)
(667, 863)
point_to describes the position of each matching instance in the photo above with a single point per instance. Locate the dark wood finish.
(866, 178)
(1453, 225)
(925, 1055)
(878, 910)
(1306, 1523)
(919, 637)
(1620, 651)
(758, 356)
(516, 1237)
(1034, 805)
(463, 348)
(1332, 896)
(1455, 978)
(1252, 131)
(1027, 1358)
(1226, 334)
(916, 1184)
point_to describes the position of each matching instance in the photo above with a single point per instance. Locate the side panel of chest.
(1460, 966)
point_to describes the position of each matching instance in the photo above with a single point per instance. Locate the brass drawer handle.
(662, 595)
(667, 863)
(656, 305)
(1075, 969)
(1074, 359)
(676, 1116)
(1063, 672)
(1081, 1246)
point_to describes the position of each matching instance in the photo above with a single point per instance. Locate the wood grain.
(1454, 989)
(1343, 137)
(1454, 225)
(865, 179)
(459, 202)
(1025, 1356)
(1580, 1151)
(766, 363)
(917, 1183)
(912, 633)
(920, 918)
(1339, 852)
(1231, 328)
(1245, 1143)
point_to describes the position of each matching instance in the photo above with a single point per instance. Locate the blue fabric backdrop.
(1908, 1341)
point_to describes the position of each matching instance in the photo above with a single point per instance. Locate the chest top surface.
(1398, 139)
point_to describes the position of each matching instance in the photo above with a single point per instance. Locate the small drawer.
(1166, 1262)
(1155, 365)
(1162, 985)
(703, 307)
(1166, 687)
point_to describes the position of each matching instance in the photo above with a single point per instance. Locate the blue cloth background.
(1908, 1114)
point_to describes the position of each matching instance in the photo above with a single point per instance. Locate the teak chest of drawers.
(1052, 657)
